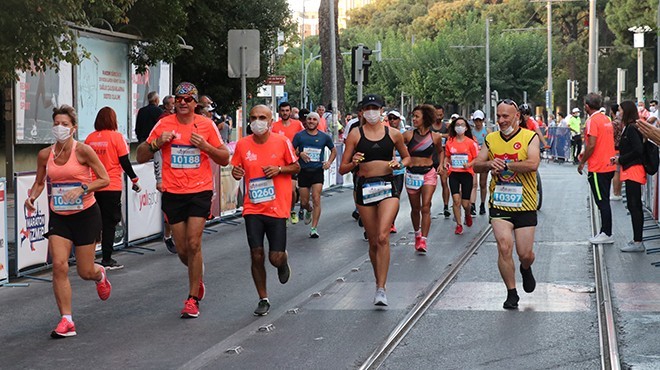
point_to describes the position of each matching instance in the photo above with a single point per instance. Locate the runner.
(460, 152)
(421, 177)
(440, 127)
(394, 118)
(265, 160)
(479, 132)
(111, 148)
(69, 165)
(526, 121)
(372, 146)
(188, 142)
(512, 155)
(289, 127)
(310, 147)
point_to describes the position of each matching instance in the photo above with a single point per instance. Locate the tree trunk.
(324, 41)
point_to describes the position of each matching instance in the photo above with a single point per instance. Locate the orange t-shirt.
(600, 126)
(109, 145)
(532, 124)
(460, 152)
(186, 168)
(289, 131)
(635, 173)
(323, 125)
(268, 197)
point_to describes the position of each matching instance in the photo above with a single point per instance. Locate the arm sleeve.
(126, 166)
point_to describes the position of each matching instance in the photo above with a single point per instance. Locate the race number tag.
(376, 191)
(508, 195)
(184, 156)
(314, 154)
(414, 181)
(57, 194)
(262, 189)
(459, 160)
(444, 141)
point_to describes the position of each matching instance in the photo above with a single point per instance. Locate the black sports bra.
(381, 150)
(421, 146)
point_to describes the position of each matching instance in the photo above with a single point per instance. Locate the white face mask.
(460, 129)
(507, 131)
(653, 109)
(371, 116)
(259, 127)
(61, 133)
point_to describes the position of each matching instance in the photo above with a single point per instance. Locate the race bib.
(459, 160)
(57, 194)
(376, 191)
(314, 154)
(414, 181)
(444, 141)
(184, 156)
(262, 189)
(508, 195)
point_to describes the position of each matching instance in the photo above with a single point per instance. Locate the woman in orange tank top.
(74, 217)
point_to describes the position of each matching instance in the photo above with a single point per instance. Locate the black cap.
(373, 99)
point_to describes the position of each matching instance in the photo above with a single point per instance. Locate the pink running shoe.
(190, 309)
(422, 246)
(103, 287)
(459, 230)
(202, 289)
(64, 329)
(417, 240)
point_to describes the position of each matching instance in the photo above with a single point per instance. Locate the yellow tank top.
(511, 191)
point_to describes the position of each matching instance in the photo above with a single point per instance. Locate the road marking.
(637, 297)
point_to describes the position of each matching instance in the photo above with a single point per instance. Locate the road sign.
(247, 41)
(276, 80)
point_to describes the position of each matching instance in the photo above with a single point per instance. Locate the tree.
(326, 61)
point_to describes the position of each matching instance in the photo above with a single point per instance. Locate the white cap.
(478, 115)
(602, 110)
(575, 110)
(394, 113)
(454, 116)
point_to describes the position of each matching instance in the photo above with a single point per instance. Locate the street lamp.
(311, 59)
(638, 43)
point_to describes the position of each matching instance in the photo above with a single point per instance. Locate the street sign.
(247, 41)
(276, 80)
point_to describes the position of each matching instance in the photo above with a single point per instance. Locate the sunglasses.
(187, 99)
(508, 102)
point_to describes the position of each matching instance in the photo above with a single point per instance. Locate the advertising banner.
(142, 84)
(231, 199)
(144, 218)
(4, 255)
(102, 81)
(31, 245)
(37, 93)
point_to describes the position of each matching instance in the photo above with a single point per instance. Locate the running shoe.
(418, 239)
(616, 197)
(262, 308)
(631, 246)
(366, 238)
(301, 213)
(602, 238)
(111, 264)
(468, 220)
(393, 229)
(422, 246)
(380, 299)
(529, 283)
(103, 287)
(446, 213)
(190, 309)
(313, 233)
(360, 222)
(283, 273)
(355, 215)
(169, 243)
(294, 218)
(511, 302)
(65, 328)
(473, 210)
(308, 217)
(482, 209)
(459, 230)
(202, 290)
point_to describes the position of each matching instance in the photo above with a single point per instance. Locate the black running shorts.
(518, 219)
(256, 226)
(178, 207)
(82, 228)
(307, 178)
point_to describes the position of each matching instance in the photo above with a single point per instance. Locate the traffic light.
(366, 63)
(360, 63)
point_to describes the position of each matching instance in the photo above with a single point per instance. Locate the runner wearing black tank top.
(441, 128)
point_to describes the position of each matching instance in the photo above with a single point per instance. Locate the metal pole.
(302, 53)
(244, 90)
(568, 97)
(487, 71)
(640, 70)
(618, 85)
(333, 70)
(592, 70)
(273, 98)
(401, 103)
(551, 100)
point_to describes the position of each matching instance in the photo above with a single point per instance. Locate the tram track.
(378, 357)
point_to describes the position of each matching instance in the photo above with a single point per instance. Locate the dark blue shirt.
(314, 146)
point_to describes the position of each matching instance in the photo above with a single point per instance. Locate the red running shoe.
(103, 287)
(422, 246)
(202, 290)
(418, 239)
(190, 309)
(393, 229)
(64, 329)
(468, 220)
(459, 230)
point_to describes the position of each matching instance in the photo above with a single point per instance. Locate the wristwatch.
(85, 188)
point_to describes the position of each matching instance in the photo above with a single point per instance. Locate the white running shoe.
(380, 299)
(616, 197)
(633, 247)
(602, 238)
